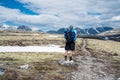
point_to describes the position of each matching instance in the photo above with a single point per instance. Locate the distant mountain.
(111, 35)
(92, 31)
(40, 31)
(59, 31)
(52, 32)
(111, 32)
(4, 27)
(87, 31)
(24, 28)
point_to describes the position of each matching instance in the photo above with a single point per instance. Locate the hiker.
(70, 37)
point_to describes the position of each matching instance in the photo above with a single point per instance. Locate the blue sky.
(14, 4)
(54, 14)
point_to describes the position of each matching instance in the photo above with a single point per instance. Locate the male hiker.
(70, 37)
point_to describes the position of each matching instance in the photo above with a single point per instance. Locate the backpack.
(69, 36)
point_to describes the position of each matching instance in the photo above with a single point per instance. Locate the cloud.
(116, 18)
(7, 14)
(61, 13)
(15, 15)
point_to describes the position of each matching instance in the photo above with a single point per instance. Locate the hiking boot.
(65, 58)
(70, 58)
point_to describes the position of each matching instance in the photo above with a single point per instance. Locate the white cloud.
(16, 16)
(62, 13)
(116, 18)
(7, 14)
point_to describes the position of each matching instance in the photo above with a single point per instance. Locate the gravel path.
(90, 68)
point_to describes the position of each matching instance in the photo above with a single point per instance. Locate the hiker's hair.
(71, 27)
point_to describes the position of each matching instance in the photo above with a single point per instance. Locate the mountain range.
(87, 31)
(5, 27)
(24, 28)
(113, 34)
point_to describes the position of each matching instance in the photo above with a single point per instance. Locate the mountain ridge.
(87, 31)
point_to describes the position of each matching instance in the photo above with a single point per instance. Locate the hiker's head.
(71, 27)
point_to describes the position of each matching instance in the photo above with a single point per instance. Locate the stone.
(67, 63)
(2, 71)
(24, 66)
(118, 79)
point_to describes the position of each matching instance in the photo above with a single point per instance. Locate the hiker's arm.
(65, 34)
(74, 36)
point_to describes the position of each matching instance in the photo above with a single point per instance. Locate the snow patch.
(96, 30)
(45, 48)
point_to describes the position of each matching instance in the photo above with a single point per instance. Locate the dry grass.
(28, 36)
(107, 46)
(42, 66)
(24, 39)
(79, 41)
(29, 57)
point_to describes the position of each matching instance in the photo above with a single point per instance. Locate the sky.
(55, 14)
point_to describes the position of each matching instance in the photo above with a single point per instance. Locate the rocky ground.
(91, 68)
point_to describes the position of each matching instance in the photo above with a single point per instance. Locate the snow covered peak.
(5, 26)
